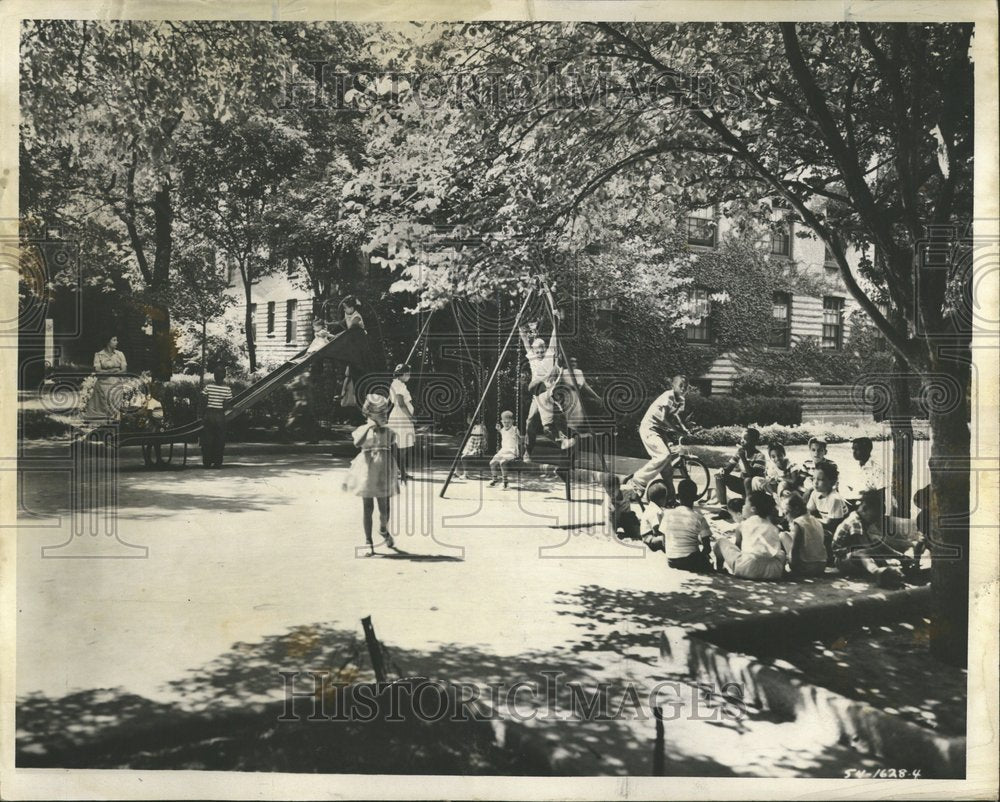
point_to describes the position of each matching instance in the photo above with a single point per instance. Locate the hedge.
(800, 435)
(723, 410)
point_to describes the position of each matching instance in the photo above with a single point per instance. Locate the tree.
(106, 106)
(876, 118)
(200, 293)
(233, 174)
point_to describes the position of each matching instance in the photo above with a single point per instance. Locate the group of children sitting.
(789, 519)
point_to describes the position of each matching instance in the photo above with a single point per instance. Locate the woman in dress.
(401, 417)
(109, 365)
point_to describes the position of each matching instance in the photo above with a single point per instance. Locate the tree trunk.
(204, 337)
(248, 324)
(164, 349)
(901, 427)
(949, 512)
(251, 344)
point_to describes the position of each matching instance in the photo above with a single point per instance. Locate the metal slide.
(348, 346)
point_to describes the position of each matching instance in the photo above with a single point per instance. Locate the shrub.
(753, 410)
(800, 435)
(759, 383)
(36, 424)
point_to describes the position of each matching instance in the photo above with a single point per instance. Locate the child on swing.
(510, 449)
(476, 447)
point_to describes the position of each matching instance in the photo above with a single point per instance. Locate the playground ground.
(256, 568)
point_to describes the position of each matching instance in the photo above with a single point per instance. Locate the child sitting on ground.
(778, 472)
(747, 462)
(806, 472)
(510, 449)
(622, 520)
(869, 472)
(657, 497)
(805, 541)
(826, 503)
(861, 549)
(756, 551)
(685, 532)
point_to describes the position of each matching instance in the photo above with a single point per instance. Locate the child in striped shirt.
(217, 396)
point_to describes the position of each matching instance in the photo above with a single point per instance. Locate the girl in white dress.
(372, 474)
(401, 417)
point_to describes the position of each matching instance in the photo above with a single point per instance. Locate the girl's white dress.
(373, 472)
(399, 419)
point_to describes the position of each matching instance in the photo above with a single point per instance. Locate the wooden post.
(658, 756)
(486, 389)
(374, 649)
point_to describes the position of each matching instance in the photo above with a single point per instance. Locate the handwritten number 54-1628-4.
(882, 774)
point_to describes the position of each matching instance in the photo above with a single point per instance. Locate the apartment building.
(817, 303)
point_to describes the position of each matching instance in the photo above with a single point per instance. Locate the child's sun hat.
(375, 405)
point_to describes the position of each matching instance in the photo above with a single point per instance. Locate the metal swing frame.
(485, 388)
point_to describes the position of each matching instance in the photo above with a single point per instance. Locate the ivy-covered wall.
(746, 277)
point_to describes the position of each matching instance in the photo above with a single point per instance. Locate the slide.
(349, 346)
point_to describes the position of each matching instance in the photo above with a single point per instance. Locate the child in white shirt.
(805, 541)
(826, 503)
(510, 448)
(756, 552)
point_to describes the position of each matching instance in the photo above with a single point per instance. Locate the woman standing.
(109, 364)
(401, 417)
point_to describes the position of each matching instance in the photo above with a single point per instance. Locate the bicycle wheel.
(694, 469)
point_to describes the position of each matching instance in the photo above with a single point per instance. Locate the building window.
(270, 318)
(253, 319)
(291, 327)
(828, 258)
(701, 307)
(833, 323)
(230, 270)
(781, 240)
(607, 314)
(781, 320)
(702, 228)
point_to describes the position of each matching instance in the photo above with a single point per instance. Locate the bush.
(759, 383)
(753, 410)
(218, 351)
(799, 435)
(37, 424)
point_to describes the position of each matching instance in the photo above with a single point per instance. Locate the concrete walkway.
(259, 568)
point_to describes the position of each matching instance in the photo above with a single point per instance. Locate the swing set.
(483, 389)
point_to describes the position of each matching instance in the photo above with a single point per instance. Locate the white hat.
(375, 404)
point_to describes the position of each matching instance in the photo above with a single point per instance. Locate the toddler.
(510, 449)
